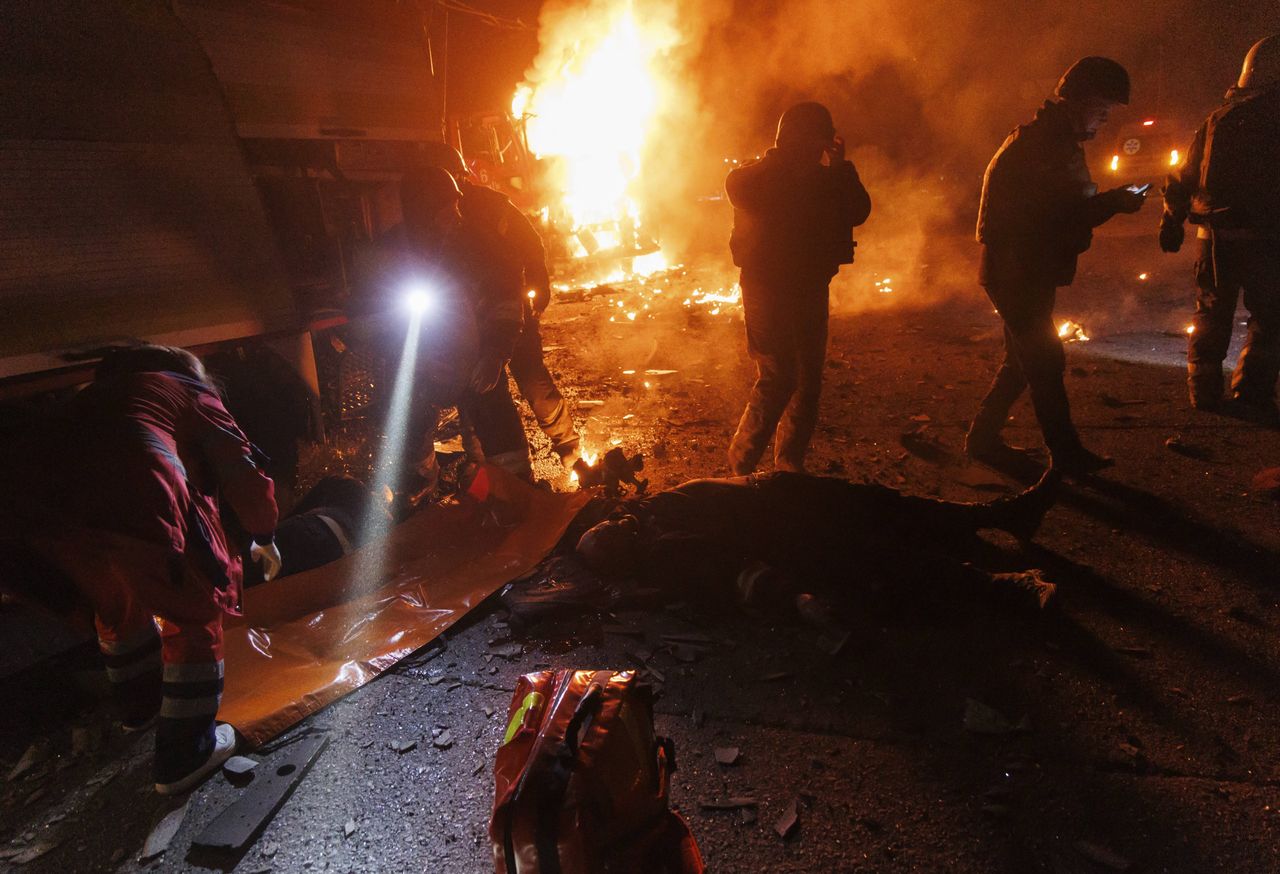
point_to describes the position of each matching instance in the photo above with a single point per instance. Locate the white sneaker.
(224, 744)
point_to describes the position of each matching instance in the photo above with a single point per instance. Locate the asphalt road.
(1143, 708)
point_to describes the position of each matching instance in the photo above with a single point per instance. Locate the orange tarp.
(306, 640)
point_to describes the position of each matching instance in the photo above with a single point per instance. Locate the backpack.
(581, 781)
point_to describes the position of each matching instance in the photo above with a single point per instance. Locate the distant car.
(1143, 151)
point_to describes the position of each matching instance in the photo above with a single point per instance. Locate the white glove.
(269, 557)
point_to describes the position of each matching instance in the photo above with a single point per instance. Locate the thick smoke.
(922, 92)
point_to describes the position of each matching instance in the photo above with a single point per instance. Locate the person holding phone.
(1229, 188)
(794, 212)
(1038, 211)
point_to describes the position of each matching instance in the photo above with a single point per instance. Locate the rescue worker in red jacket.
(1229, 187)
(1038, 211)
(128, 478)
(524, 262)
(794, 214)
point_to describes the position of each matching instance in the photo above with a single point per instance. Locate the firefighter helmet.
(424, 192)
(1095, 77)
(805, 121)
(438, 154)
(1262, 64)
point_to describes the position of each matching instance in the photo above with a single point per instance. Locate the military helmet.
(1095, 77)
(806, 120)
(1262, 64)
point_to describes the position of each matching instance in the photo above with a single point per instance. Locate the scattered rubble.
(162, 834)
(786, 824)
(727, 755)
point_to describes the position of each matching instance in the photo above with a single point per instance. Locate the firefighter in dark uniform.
(523, 260)
(1038, 211)
(794, 214)
(463, 353)
(1229, 187)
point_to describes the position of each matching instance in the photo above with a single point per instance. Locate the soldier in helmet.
(1038, 211)
(793, 217)
(1229, 187)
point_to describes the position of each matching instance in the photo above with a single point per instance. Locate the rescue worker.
(1229, 187)
(116, 498)
(1038, 211)
(524, 262)
(849, 539)
(462, 362)
(794, 214)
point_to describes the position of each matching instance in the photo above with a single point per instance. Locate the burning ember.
(1072, 332)
(1191, 329)
(884, 286)
(588, 108)
(1142, 276)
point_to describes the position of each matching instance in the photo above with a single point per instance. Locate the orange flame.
(589, 103)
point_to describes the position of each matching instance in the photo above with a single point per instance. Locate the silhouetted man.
(1039, 208)
(522, 259)
(1229, 187)
(792, 229)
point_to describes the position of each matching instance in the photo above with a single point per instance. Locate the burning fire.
(589, 458)
(589, 106)
(1072, 332)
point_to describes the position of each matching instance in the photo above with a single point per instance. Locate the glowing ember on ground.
(1072, 332)
(884, 286)
(1142, 276)
(1191, 329)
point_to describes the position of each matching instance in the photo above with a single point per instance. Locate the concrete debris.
(509, 650)
(727, 755)
(403, 746)
(349, 828)
(239, 765)
(162, 834)
(443, 741)
(786, 824)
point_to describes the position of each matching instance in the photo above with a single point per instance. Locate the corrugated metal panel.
(320, 69)
(126, 209)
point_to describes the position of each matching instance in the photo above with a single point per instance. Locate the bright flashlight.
(418, 300)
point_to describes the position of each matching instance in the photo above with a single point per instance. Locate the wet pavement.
(1131, 729)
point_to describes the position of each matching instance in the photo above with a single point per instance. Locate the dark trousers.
(787, 338)
(1222, 272)
(1033, 359)
(539, 389)
(498, 428)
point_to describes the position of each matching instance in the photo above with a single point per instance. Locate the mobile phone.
(1139, 189)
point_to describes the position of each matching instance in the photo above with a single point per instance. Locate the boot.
(1204, 384)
